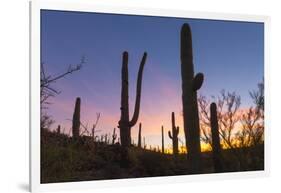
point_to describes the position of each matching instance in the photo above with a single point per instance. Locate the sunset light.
(123, 91)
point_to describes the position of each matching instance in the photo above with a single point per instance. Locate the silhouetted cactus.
(106, 139)
(190, 85)
(217, 159)
(125, 124)
(139, 136)
(58, 129)
(114, 136)
(163, 145)
(76, 119)
(94, 127)
(144, 144)
(174, 135)
(93, 132)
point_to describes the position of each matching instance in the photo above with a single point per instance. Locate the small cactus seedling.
(76, 119)
(139, 136)
(125, 124)
(217, 159)
(190, 85)
(174, 135)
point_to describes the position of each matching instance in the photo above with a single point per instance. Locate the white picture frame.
(88, 6)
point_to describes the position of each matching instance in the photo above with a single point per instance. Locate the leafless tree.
(228, 104)
(229, 118)
(252, 120)
(204, 116)
(47, 89)
(46, 82)
(251, 133)
(258, 96)
(46, 121)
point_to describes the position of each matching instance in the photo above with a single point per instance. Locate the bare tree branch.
(46, 81)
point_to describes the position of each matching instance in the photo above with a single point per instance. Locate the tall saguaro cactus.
(76, 119)
(139, 136)
(217, 159)
(163, 145)
(174, 135)
(190, 85)
(125, 124)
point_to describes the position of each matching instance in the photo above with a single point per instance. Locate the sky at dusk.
(230, 54)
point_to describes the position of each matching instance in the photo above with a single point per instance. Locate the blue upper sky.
(230, 54)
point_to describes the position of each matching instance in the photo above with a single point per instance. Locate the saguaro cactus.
(217, 159)
(174, 135)
(93, 132)
(114, 136)
(190, 85)
(58, 129)
(105, 138)
(125, 124)
(163, 146)
(139, 136)
(76, 119)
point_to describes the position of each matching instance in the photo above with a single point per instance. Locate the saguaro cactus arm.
(138, 92)
(177, 130)
(170, 135)
(197, 81)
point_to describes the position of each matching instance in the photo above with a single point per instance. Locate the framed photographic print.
(124, 95)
